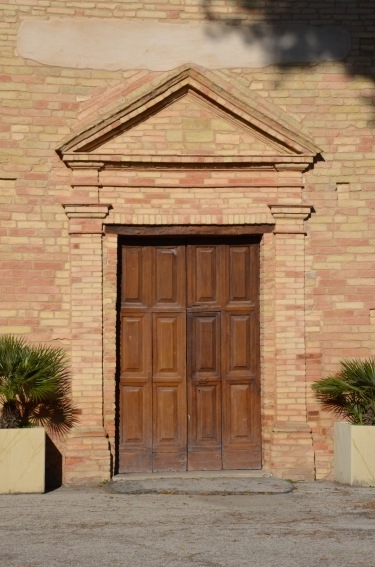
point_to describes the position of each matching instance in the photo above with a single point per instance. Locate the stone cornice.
(86, 218)
(86, 210)
(275, 163)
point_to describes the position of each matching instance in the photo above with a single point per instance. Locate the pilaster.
(292, 451)
(87, 456)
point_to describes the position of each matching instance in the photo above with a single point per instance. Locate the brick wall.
(332, 104)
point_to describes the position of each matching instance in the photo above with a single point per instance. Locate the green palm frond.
(351, 392)
(35, 386)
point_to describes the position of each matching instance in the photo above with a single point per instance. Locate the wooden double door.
(189, 370)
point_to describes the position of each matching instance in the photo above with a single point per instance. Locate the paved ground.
(315, 524)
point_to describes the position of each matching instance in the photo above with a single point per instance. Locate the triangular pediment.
(190, 116)
(192, 126)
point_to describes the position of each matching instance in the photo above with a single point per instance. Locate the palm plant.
(34, 386)
(351, 392)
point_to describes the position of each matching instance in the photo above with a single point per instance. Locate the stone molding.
(290, 218)
(86, 218)
(86, 210)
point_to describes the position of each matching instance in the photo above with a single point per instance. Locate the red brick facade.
(285, 152)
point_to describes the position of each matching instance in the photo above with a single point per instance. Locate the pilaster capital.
(86, 218)
(290, 218)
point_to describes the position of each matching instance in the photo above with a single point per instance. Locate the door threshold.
(192, 474)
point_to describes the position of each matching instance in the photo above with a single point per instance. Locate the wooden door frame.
(154, 236)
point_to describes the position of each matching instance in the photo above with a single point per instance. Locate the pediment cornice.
(286, 147)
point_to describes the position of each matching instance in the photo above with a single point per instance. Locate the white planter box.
(354, 454)
(22, 460)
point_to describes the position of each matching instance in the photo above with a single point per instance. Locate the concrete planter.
(354, 454)
(22, 460)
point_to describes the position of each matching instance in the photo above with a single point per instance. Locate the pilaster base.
(292, 454)
(87, 457)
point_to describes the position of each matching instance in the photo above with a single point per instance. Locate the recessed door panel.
(135, 334)
(241, 448)
(239, 407)
(168, 348)
(135, 393)
(169, 277)
(240, 385)
(204, 391)
(166, 416)
(134, 427)
(242, 279)
(204, 266)
(136, 285)
(208, 402)
(204, 447)
(239, 342)
(205, 343)
(169, 391)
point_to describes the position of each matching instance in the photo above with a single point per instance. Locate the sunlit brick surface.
(59, 270)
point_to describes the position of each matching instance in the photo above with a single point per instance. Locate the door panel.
(135, 393)
(205, 344)
(239, 274)
(241, 448)
(204, 275)
(239, 342)
(204, 391)
(239, 402)
(135, 279)
(189, 384)
(135, 427)
(241, 407)
(169, 391)
(242, 275)
(207, 405)
(135, 334)
(169, 277)
(168, 348)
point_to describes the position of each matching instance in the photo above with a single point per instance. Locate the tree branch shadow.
(300, 32)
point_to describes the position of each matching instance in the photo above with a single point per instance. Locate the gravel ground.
(202, 484)
(316, 524)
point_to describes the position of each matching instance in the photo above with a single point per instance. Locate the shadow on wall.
(294, 31)
(53, 465)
